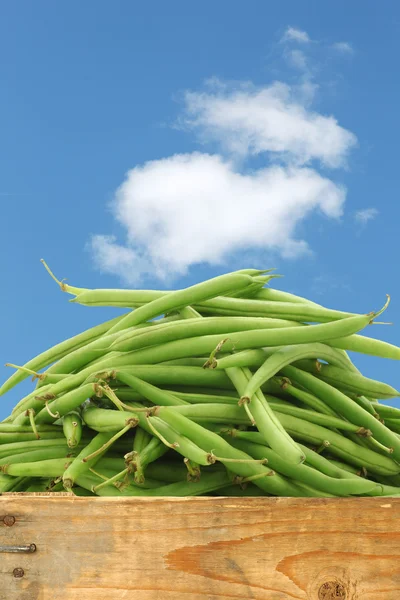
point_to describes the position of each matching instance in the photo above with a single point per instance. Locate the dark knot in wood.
(331, 590)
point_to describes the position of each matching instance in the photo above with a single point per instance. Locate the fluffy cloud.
(271, 119)
(189, 209)
(196, 208)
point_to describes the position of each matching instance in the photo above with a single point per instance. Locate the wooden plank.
(201, 548)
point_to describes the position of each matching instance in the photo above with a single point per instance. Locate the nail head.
(18, 572)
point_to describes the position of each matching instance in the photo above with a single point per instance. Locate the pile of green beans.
(228, 387)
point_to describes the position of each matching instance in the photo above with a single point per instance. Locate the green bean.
(363, 402)
(213, 443)
(141, 439)
(152, 451)
(308, 475)
(106, 420)
(306, 398)
(58, 351)
(153, 373)
(280, 296)
(277, 361)
(329, 467)
(267, 422)
(208, 483)
(345, 406)
(181, 298)
(193, 398)
(95, 350)
(390, 412)
(80, 465)
(240, 341)
(12, 448)
(344, 448)
(172, 472)
(137, 298)
(346, 470)
(196, 327)
(81, 356)
(118, 298)
(256, 358)
(253, 288)
(52, 467)
(8, 483)
(354, 383)
(72, 428)
(149, 391)
(367, 345)
(28, 401)
(293, 311)
(41, 485)
(52, 430)
(6, 438)
(37, 455)
(66, 403)
(393, 425)
(221, 413)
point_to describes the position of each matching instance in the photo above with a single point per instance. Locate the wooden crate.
(200, 548)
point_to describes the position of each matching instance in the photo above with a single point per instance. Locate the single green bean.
(72, 428)
(367, 345)
(149, 391)
(66, 403)
(52, 467)
(280, 296)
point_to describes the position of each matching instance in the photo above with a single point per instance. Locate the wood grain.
(201, 548)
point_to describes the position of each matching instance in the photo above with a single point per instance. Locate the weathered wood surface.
(200, 548)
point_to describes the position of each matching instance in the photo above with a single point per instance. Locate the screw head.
(18, 572)
(9, 520)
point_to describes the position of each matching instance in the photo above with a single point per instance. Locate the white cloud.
(189, 209)
(365, 215)
(295, 35)
(271, 119)
(196, 208)
(343, 47)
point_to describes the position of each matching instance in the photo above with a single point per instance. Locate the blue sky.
(156, 144)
